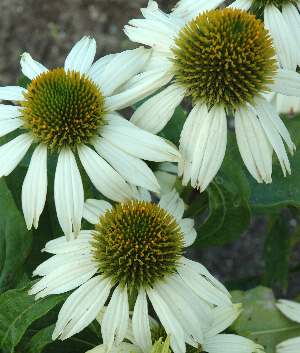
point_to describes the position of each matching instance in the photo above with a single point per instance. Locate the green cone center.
(136, 244)
(63, 108)
(224, 57)
(277, 3)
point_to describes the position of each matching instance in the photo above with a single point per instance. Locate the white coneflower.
(222, 59)
(291, 310)
(72, 109)
(136, 250)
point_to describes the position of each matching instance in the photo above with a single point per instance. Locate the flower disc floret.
(277, 3)
(63, 108)
(224, 57)
(136, 244)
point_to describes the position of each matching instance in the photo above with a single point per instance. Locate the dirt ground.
(48, 29)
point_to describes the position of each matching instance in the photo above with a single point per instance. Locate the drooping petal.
(283, 39)
(138, 88)
(9, 112)
(168, 320)
(241, 4)
(154, 114)
(93, 209)
(97, 69)
(81, 308)
(103, 176)
(81, 56)
(13, 93)
(286, 82)
(290, 309)
(66, 277)
(254, 145)
(140, 322)
(189, 9)
(68, 193)
(187, 227)
(292, 18)
(172, 203)
(131, 168)
(227, 343)
(222, 318)
(31, 68)
(138, 142)
(210, 148)
(266, 113)
(115, 319)
(12, 152)
(9, 125)
(289, 346)
(123, 67)
(34, 187)
(61, 246)
(188, 138)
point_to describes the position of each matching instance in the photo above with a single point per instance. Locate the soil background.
(49, 29)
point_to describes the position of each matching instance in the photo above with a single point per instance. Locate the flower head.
(135, 252)
(222, 59)
(70, 111)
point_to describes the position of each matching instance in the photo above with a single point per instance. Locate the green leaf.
(15, 240)
(260, 316)
(40, 340)
(229, 213)
(277, 251)
(283, 191)
(18, 310)
(23, 81)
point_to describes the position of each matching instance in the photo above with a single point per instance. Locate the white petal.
(241, 4)
(31, 68)
(97, 69)
(116, 317)
(9, 125)
(140, 322)
(154, 114)
(81, 308)
(172, 203)
(13, 93)
(123, 67)
(168, 320)
(65, 277)
(140, 193)
(34, 187)
(282, 37)
(9, 112)
(138, 87)
(187, 227)
(131, 168)
(227, 343)
(93, 209)
(292, 18)
(266, 115)
(189, 9)
(68, 193)
(81, 56)
(210, 148)
(12, 152)
(290, 309)
(138, 142)
(181, 309)
(222, 318)
(201, 307)
(188, 138)
(254, 145)
(199, 268)
(61, 246)
(289, 346)
(286, 82)
(103, 176)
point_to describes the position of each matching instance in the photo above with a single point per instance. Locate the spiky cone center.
(63, 108)
(137, 244)
(277, 3)
(224, 57)
(159, 331)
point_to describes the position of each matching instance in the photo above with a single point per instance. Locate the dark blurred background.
(48, 29)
